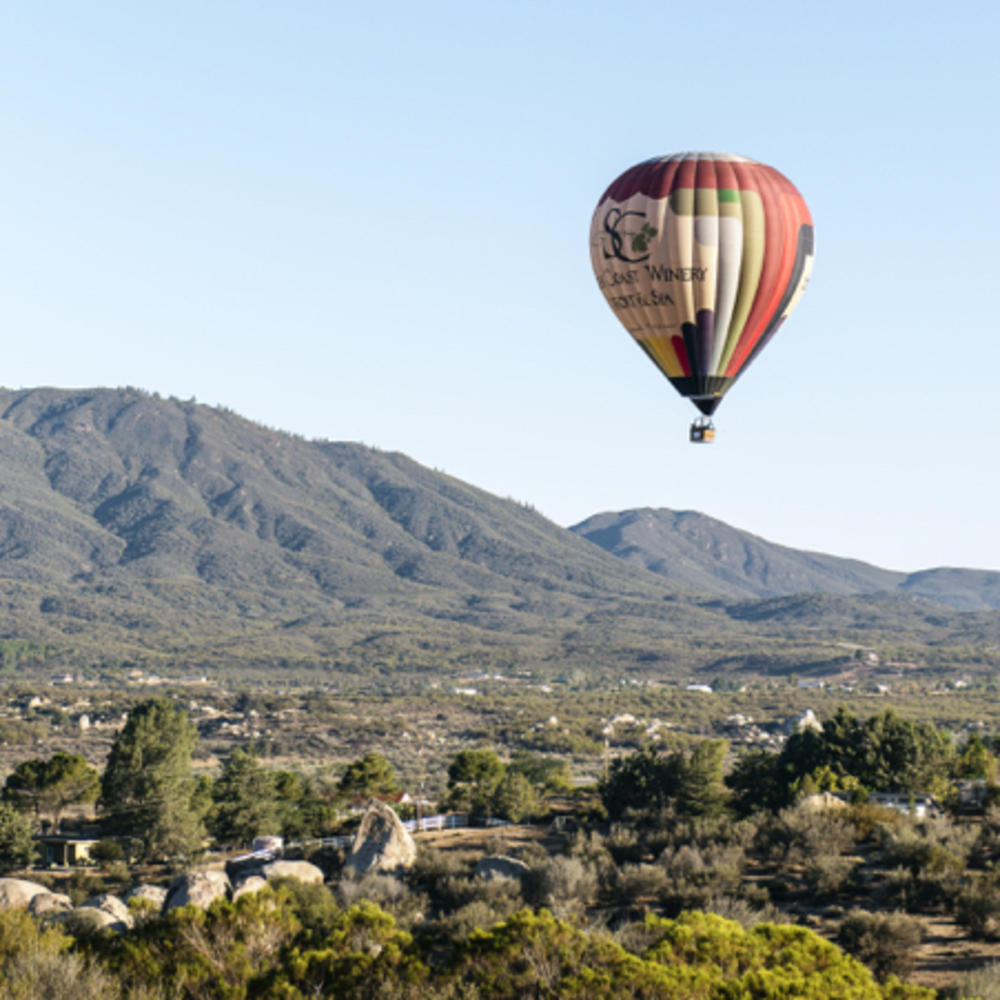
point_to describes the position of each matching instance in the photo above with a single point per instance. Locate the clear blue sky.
(369, 222)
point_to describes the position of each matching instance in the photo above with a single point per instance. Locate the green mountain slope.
(143, 514)
(141, 530)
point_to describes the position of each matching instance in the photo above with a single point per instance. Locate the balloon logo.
(702, 256)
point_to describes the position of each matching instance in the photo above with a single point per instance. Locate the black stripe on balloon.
(691, 344)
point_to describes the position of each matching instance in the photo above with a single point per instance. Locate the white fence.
(449, 821)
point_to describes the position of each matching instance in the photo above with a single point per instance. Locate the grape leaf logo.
(637, 241)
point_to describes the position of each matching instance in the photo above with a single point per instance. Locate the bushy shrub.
(633, 885)
(34, 963)
(885, 942)
(977, 908)
(746, 913)
(562, 884)
(928, 847)
(828, 874)
(799, 836)
(929, 861)
(694, 876)
(388, 892)
(106, 851)
(987, 846)
(623, 844)
(980, 984)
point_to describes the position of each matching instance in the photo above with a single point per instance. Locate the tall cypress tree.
(147, 789)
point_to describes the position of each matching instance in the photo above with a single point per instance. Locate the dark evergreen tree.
(643, 781)
(370, 776)
(148, 790)
(245, 800)
(473, 778)
(701, 790)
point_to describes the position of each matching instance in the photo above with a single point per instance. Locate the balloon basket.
(702, 431)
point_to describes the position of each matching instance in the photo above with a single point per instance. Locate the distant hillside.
(697, 551)
(141, 530)
(155, 524)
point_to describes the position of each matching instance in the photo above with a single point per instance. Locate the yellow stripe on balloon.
(661, 349)
(753, 259)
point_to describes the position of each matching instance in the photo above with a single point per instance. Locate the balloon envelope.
(702, 256)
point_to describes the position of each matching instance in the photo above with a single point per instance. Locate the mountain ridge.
(697, 551)
(138, 529)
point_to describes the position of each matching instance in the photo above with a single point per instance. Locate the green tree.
(701, 790)
(17, 846)
(549, 775)
(642, 781)
(473, 777)
(514, 798)
(370, 776)
(244, 797)
(884, 753)
(305, 805)
(47, 787)
(976, 761)
(147, 789)
(754, 783)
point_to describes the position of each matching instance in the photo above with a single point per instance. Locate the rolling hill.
(699, 552)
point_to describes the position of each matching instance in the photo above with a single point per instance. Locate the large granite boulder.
(500, 866)
(382, 844)
(196, 889)
(48, 903)
(155, 894)
(113, 907)
(304, 871)
(16, 893)
(249, 884)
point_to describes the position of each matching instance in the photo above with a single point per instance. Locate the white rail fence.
(443, 821)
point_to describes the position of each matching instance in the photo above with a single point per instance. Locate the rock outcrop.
(111, 905)
(304, 871)
(48, 903)
(16, 893)
(383, 844)
(251, 883)
(155, 894)
(197, 889)
(500, 866)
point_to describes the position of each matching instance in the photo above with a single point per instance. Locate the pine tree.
(245, 800)
(49, 786)
(148, 789)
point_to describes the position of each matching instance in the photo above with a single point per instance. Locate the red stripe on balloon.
(789, 209)
(682, 354)
(769, 288)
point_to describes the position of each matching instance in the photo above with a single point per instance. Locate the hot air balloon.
(702, 256)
